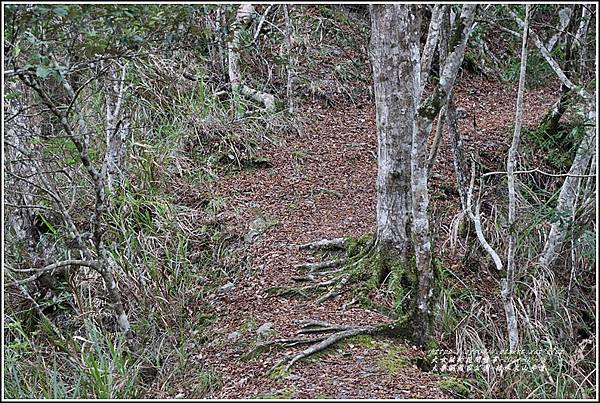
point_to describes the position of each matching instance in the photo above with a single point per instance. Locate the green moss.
(248, 325)
(394, 359)
(361, 340)
(403, 281)
(279, 372)
(287, 393)
(357, 246)
(455, 386)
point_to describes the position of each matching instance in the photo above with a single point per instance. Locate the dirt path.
(322, 185)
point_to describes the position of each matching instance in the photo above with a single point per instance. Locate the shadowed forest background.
(299, 201)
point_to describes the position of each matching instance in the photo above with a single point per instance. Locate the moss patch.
(287, 393)
(279, 372)
(455, 386)
(360, 340)
(394, 359)
(356, 246)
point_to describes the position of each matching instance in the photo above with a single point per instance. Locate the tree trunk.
(509, 282)
(552, 118)
(403, 125)
(117, 129)
(426, 112)
(18, 194)
(395, 83)
(568, 191)
(457, 152)
(289, 41)
(444, 33)
(243, 16)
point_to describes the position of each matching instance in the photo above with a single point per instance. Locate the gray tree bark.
(509, 282)
(117, 128)
(289, 40)
(568, 191)
(426, 112)
(15, 161)
(244, 15)
(395, 79)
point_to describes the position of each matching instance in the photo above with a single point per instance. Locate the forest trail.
(158, 192)
(321, 184)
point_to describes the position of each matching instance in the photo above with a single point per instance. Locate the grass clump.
(208, 381)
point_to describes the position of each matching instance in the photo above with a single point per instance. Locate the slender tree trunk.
(289, 39)
(444, 33)
(426, 112)
(564, 15)
(18, 193)
(457, 151)
(117, 129)
(568, 191)
(552, 118)
(509, 282)
(580, 43)
(80, 141)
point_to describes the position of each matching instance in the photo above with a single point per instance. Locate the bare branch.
(51, 267)
(546, 54)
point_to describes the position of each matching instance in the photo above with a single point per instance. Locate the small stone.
(234, 336)
(179, 396)
(359, 358)
(264, 328)
(227, 286)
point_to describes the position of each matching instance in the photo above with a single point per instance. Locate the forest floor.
(321, 184)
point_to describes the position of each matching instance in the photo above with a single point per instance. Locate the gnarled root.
(399, 328)
(321, 345)
(325, 244)
(343, 271)
(318, 267)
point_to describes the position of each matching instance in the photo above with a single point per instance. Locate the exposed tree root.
(336, 290)
(400, 328)
(349, 304)
(325, 244)
(315, 270)
(357, 264)
(346, 270)
(321, 345)
(317, 326)
(302, 291)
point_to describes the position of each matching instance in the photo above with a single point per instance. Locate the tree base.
(363, 264)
